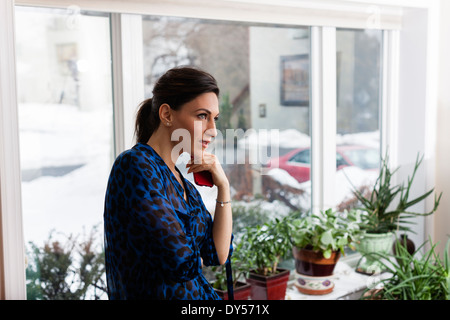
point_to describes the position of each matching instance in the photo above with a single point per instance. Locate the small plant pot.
(314, 272)
(271, 287)
(313, 263)
(372, 247)
(241, 291)
(405, 242)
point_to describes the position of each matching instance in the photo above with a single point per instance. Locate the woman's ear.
(165, 114)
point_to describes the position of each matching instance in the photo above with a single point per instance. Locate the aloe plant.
(413, 277)
(379, 217)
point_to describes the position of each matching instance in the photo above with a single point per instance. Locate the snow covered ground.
(54, 136)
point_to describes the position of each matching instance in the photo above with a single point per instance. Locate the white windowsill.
(348, 285)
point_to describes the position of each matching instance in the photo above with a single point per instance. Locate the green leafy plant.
(265, 245)
(414, 276)
(381, 213)
(72, 270)
(325, 232)
(241, 261)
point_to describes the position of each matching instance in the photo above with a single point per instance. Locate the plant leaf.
(327, 238)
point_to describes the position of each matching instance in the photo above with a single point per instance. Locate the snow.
(289, 138)
(284, 178)
(61, 135)
(347, 179)
(292, 138)
(369, 139)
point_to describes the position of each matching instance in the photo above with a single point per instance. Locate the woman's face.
(197, 119)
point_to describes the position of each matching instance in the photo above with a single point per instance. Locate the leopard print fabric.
(154, 239)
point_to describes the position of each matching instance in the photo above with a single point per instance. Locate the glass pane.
(358, 111)
(263, 75)
(66, 145)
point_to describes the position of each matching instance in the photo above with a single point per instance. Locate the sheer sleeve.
(208, 249)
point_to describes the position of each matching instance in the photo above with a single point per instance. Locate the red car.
(298, 162)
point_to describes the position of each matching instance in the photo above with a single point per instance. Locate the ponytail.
(146, 122)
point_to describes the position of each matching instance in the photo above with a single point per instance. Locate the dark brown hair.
(176, 87)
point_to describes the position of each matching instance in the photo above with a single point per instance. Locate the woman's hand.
(209, 162)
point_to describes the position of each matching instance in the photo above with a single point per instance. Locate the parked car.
(298, 162)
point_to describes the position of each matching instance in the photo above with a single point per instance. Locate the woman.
(158, 232)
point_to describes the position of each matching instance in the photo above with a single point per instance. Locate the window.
(358, 63)
(65, 121)
(263, 74)
(39, 55)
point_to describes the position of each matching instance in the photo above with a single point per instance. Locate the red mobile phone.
(203, 178)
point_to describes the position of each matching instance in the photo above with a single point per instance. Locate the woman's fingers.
(207, 158)
(196, 168)
(209, 162)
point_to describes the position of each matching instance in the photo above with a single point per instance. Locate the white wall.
(423, 123)
(412, 109)
(442, 216)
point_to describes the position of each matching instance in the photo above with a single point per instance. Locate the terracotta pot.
(313, 263)
(271, 287)
(241, 292)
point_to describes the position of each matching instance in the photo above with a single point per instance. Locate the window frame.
(12, 249)
(323, 16)
(127, 74)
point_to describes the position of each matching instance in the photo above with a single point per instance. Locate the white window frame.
(12, 259)
(323, 15)
(127, 74)
(323, 117)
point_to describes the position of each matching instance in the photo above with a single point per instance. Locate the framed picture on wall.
(294, 82)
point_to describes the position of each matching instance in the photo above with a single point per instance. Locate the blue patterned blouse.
(154, 239)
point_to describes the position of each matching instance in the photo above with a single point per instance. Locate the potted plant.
(266, 245)
(386, 210)
(240, 262)
(318, 241)
(414, 276)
